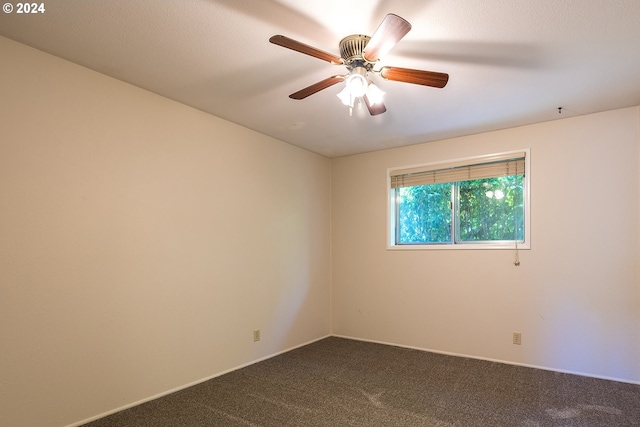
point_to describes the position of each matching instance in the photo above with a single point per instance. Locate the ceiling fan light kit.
(359, 53)
(357, 81)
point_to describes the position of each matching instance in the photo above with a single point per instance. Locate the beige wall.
(142, 241)
(576, 296)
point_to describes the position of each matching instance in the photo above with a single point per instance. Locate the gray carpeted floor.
(340, 382)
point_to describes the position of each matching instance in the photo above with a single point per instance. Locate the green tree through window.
(490, 209)
(487, 209)
(424, 214)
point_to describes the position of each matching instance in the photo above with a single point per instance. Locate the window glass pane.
(424, 214)
(491, 209)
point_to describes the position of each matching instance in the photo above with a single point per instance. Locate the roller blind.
(495, 166)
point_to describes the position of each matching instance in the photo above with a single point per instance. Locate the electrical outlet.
(256, 335)
(517, 338)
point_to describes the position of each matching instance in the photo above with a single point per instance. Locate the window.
(479, 203)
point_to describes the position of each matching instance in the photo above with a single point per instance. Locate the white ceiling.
(510, 62)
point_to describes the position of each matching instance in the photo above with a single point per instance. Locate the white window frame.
(509, 244)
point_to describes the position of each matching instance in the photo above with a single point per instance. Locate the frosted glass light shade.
(357, 82)
(374, 94)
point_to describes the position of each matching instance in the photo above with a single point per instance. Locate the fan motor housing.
(351, 48)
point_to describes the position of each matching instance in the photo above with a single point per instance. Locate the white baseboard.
(139, 402)
(182, 387)
(506, 362)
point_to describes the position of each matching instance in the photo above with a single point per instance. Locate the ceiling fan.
(360, 53)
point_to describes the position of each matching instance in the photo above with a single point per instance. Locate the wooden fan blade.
(419, 77)
(316, 87)
(391, 30)
(306, 49)
(375, 109)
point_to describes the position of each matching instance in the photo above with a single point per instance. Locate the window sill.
(460, 246)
